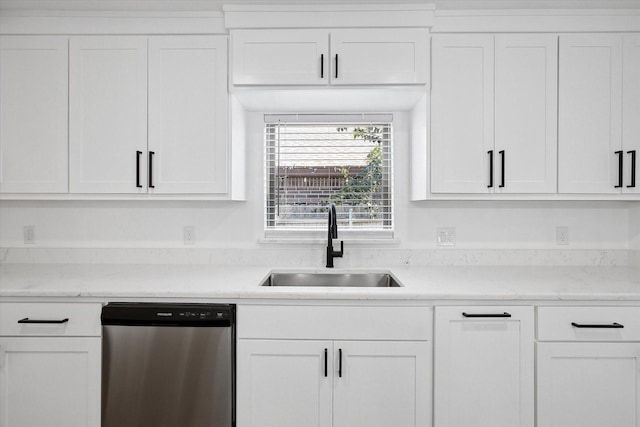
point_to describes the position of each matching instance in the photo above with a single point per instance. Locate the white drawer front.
(326, 322)
(83, 319)
(589, 323)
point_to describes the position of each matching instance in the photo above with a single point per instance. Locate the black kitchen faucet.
(333, 234)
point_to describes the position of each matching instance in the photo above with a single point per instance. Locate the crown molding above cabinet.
(329, 16)
(50, 22)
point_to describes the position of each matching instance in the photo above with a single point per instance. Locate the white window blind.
(312, 161)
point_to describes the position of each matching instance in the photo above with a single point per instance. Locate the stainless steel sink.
(361, 280)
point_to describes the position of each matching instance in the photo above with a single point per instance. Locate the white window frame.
(314, 235)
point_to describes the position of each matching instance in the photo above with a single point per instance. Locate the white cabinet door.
(33, 113)
(526, 88)
(188, 114)
(380, 56)
(50, 381)
(280, 57)
(590, 116)
(588, 384)
(382, 384)
(631, 113)
(282, 383)
(484, 367)
(108, 114)
(462, 113)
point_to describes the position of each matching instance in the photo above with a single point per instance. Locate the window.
(312, 161)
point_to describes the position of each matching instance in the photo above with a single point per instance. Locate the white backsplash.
(315, 257)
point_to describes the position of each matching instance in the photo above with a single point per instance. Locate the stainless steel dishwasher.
(168, 365)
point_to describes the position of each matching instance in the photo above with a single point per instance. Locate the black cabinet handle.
(322, 66)
(325, 362)
(151, 153)
(613, 325)
(27, 320)
(633, 169)
(336, 65)
(138, 154)
(505, 314)
(501, 152)
(490, 153)
(620, 166)
(340, 363)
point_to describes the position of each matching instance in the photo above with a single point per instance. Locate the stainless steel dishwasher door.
(167, 376)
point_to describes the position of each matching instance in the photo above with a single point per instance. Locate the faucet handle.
(341, 251)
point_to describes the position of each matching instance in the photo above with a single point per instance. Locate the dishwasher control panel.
(150, 314)
(203, 314)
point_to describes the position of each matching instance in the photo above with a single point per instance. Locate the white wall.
(156, 224)
(634, 228)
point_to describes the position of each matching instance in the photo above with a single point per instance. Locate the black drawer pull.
(151, 153)
(620, 167)
(138, 154)
(501, 168)
(322, 65)
(340, 362)
(325, 362)
(336, 65)
(27, 320)
(613, 325)
(633, 169)
(490, 153)
(505, 314)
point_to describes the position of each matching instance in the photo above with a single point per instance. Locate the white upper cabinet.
(462, 113)
(108, 114)
(321, 57)
(631, 113)
(493, 114)
(33, 114)
(280, 57)
(526, 113)
(592, 77)
(149, 115)
(379, 57)
(188, 103)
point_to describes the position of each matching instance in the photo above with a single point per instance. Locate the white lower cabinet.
(332, 383)
(282, 383)
(362, 378)
(47, 381)
(381, 384)
(50, 369)
(588, 370)
(588, 384)
(484, 366)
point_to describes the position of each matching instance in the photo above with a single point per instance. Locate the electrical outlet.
(189, 232)
(29, 232)
(562, 235)
(446, 236)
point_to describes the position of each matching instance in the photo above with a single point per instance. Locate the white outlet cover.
(446, 236)
(29, 232)
(562, 235)
(189, 233)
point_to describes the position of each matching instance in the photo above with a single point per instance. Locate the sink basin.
(360, 280)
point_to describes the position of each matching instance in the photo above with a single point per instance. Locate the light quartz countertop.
(137, 282)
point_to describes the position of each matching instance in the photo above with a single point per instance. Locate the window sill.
(319, 237)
